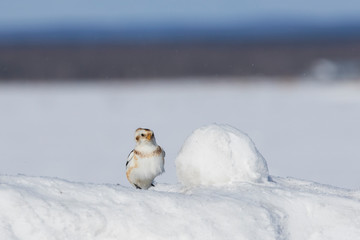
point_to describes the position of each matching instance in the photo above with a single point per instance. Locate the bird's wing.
(130, 157)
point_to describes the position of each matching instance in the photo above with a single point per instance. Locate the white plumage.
(146, 161)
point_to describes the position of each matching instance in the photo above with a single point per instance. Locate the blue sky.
(34, 13)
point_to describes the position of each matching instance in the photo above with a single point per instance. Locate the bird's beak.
(149, 136)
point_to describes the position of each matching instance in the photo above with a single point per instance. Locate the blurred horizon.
(170, 39)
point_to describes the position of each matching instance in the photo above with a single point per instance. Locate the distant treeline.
(119, 61)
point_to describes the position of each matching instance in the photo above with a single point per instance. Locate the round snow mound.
(219, 155)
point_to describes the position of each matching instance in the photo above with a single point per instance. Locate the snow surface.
(42, 208)
(219, 154)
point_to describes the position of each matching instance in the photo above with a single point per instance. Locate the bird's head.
(144, 135)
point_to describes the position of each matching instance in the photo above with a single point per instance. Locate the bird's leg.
(137, 187)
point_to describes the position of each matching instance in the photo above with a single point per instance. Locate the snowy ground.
(48, 208)
(84, 132)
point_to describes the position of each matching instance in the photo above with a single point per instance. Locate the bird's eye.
(143, 135)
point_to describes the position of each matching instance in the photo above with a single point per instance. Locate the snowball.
(219, 155)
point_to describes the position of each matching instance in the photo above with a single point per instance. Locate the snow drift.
(218, 155)
(37, 208)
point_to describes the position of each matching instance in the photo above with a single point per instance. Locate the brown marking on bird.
(145, 129)
(131, 168)
(157, 151)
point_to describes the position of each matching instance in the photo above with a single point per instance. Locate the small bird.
(146, 161)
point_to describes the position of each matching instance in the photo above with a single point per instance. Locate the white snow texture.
(218, 155)
(34, 208)
(226, 195)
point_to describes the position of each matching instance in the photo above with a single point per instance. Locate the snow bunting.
(146, 161)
